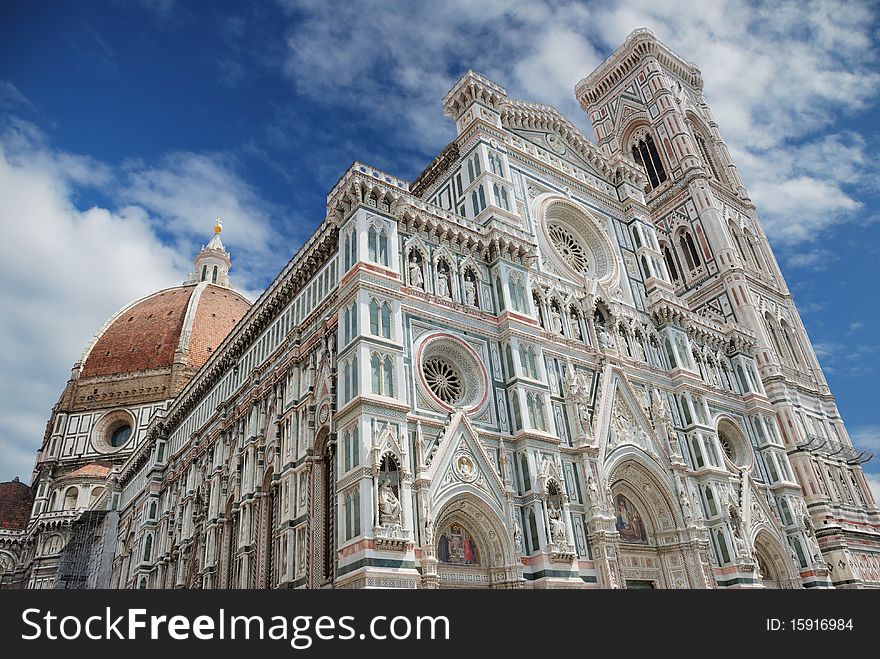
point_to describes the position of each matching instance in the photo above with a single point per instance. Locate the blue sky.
(127, 126)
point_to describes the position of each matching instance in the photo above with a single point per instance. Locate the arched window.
(204, 272)
(501, 196)
(355, 447)
(785, 512)
(723, 551)
(346, 320)
(704, 153)
(372, 243)
(473, 166)
(478, 200)
(374, 317)
(376, 373)
(383, 247)
(508, 352)
(388, 383)
(753, 250)
(517, 414)
(495, 164)
(382, 374)
(517, 292)
(774, 337)
(95, 494)
(670, 263)
(385, 318)
(528, 362)
(70, 498)
(799, 551)
(214, 275)
(791, 343)
(377, 245)
(533, 532)
(148, 547)
(525, 473)
(689, 249)
(645, 153)
(346, 263)
(535, 404)
(711, 506)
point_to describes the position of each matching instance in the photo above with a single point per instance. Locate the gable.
(557, 145)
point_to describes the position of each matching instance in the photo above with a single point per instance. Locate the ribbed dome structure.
(183, 324)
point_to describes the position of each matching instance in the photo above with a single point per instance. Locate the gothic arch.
(632, 468)
(771, 554)
(482, 519)
(646, 519)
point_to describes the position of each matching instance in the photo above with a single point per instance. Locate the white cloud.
(777, 75)
(186, 191)
(66, 268)
(866, 437)
(814, 259)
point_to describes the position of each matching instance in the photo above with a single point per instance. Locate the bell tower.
(646, 104)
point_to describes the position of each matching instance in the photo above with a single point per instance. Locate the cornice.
(639, 45)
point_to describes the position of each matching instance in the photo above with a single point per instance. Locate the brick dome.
(185, 323)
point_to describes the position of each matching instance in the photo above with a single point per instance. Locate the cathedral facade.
(547, 362)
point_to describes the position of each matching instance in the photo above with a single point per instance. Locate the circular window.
(113, 431)
(569, 247)
(733, 443)
(443, 380)
(576, 244)
(452, 373)
(120, 435)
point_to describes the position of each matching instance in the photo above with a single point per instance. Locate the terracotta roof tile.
(143, 337)
(218, 311)
(146, 336)
(16, 500)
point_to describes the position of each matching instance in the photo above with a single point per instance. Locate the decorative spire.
(213, 262)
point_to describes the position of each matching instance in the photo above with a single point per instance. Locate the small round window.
(120, 436)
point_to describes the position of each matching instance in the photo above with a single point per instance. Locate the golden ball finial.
(218, 226)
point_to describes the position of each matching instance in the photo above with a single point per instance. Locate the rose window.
(569, 247)
(443, 380)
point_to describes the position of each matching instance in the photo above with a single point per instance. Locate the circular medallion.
(465, 468)
(555, 143)
(324, 413)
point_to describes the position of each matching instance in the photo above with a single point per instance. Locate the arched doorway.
(472, 547)
(654, 549)
(774, 565)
